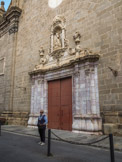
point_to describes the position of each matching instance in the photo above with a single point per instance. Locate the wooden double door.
(60, 104)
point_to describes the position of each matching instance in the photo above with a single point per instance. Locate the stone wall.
(99, 23)
(6, 52)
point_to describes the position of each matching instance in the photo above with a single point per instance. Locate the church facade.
(62, 56)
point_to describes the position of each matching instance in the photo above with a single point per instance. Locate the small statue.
(78, 50)
(71, 51)
(41, 52)
(88, 52)
(77, 37)
(43, 59)
(57, 41)
(66, 43)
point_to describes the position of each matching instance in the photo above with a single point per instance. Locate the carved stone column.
(38, 99)
(86, 99)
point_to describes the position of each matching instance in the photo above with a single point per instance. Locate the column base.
(87, 123)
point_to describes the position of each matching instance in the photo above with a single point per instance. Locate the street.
(20, 148)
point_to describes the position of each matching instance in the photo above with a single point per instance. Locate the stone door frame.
(85, 95)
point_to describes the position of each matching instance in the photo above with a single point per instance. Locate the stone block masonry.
(99, 23)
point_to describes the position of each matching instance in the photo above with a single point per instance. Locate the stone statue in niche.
(57, 41)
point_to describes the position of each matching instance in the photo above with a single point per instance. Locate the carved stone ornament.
(10, 21)
(43, 59)
(59, 20)
(78, 51)
(58, 42)
(77, 37)
(41, 52)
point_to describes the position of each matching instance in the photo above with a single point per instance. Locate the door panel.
(54, 104)
(66, 104)
(60, 104)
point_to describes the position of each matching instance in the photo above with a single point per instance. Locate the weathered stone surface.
(85, 106)
(15, 118)
(99, 23)
(110, 128)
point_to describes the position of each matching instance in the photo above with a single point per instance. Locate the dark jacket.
(42, 122)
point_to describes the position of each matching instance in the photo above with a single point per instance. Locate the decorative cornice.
(88, 58)
(10, 21)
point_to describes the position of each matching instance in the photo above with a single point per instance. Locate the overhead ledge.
(87, 58)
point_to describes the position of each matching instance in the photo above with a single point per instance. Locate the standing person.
(42, 121)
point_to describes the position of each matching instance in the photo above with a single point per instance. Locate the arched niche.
(58, 34)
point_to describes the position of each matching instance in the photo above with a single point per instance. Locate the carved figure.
(66, 43)
(41, 52)
(77, 50)
(77, 37)
(57, 41)
(71, 51)
(88, 52)
(43, 59)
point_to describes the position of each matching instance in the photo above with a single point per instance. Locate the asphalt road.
(19, 148)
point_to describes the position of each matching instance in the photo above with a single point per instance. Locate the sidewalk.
(66, 135)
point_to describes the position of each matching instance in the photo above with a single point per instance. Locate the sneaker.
(39, 143)
(42, 144)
